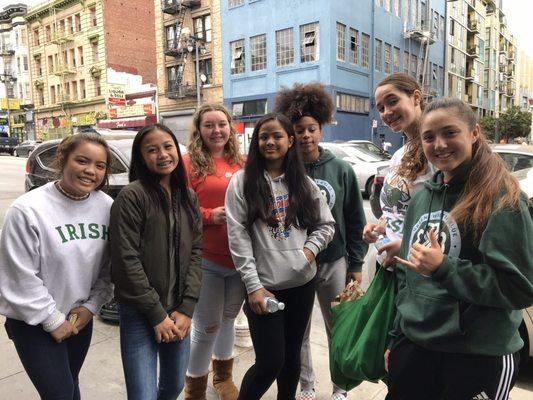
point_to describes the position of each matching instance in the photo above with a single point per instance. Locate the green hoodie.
(472, 303)
(338, 183)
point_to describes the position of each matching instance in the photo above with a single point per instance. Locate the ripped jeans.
(213, 331)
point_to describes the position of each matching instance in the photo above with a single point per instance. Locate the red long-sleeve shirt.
(211, 193)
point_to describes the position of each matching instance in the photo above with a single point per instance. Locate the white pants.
(330, 281)
(213, 331)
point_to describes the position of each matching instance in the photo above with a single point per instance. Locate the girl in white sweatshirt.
(278, 222)
(54, 266)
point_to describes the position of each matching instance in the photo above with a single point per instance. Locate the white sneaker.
(307, 395)
(339, 396)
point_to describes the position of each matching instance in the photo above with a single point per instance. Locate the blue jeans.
(139, 351)
(52, 367)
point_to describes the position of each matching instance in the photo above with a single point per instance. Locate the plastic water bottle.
(382, 241)
(272, 305)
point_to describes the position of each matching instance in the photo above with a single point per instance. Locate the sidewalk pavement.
(102, 376)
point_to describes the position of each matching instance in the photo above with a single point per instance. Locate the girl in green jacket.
(465, 269)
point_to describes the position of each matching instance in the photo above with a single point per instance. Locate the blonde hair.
(200, 158)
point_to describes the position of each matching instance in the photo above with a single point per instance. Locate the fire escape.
(175, 46)
(421, 31)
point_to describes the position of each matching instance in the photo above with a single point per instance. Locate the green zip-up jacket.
(141, 253)
(472, 303)
(338, 183)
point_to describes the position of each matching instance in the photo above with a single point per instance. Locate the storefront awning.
(121, 123)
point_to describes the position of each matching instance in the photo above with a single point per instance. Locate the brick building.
(181, 26)
(78, 49)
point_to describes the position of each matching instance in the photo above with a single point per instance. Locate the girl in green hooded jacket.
(465, 270)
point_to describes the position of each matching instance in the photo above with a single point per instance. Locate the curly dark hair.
(311, 99)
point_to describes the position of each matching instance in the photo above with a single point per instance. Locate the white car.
(364, 162)
(525, 178)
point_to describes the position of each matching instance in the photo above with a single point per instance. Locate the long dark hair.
(302, 212)
(178, 178)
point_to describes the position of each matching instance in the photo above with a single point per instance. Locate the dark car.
(25, 148)
(376, 191)
(40, 170)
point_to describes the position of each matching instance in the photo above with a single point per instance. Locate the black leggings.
(277, 340)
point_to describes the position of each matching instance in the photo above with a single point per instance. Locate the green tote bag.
(359, 334)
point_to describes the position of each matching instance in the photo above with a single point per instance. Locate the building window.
(354, 46)
(27, 90)
(48, 33)
(377, 54)
(309, 42)
(74, 90)
(202, 27)
(92, 16)
(397, 7)
(258, 50)
(442, 27)
(172, 77)
(235, 3)
(205, 68)
(365, 50)
(36, 39)
(341, 40)
(81, 60)
(284, 47)
(414, 65)
(387, 5)
(70, 25)
(379, 3)
(238, 60)
(52, 95)
(396, 60)
(51, 63)
(94, 49)
(39, 67)
(83, 94)
(172, 41)
(97, 87)
(77, 20)
(387, 58)
(72, 57)
(350, 103)
(405, 62)
(249, 108)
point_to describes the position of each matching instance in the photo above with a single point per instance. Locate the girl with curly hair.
(309, 107)
(212, 160)
(400, 105)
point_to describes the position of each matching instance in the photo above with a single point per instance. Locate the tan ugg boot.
(222, 380)
(195, 388)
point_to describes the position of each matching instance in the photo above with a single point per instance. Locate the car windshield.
(369, 148)
(356, 152)
(124, 146)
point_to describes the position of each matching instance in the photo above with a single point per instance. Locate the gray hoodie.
(274, 257)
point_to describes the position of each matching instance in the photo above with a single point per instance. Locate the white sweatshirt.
(274, 257)
(54, 256)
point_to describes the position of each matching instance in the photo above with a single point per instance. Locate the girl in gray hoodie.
(278, 222)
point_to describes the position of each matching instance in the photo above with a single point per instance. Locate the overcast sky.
(518, 12)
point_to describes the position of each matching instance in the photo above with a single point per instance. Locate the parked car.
(40, 170)
(371, 147)
(8, 143)
(364, 163)
(25, 148)
(516, 156)
(525, 178)
(375, 204)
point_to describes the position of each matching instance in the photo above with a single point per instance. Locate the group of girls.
(460, 247)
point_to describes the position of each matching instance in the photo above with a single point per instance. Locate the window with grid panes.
(354, 46)
(284, 47)
(205, 67)
(365, 50)
(341, 40)
(258, 51)
(202, 27)
(237, 57)
(235, 3)
(396, 60)
(309, 42)
(351, 103)
(377, 54)
(387, 58)
(414, 65)
(405, 62)
(396, 7)
(172, 42)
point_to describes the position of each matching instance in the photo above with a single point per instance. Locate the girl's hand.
(386, 357)
(65, 331)
(84, 317)
(218, 215)
(166, 331)
(392, 249)
(309, 255)
(370, 230)
(256, 300)
(425, 260)
(354, 276)
(183, 323)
